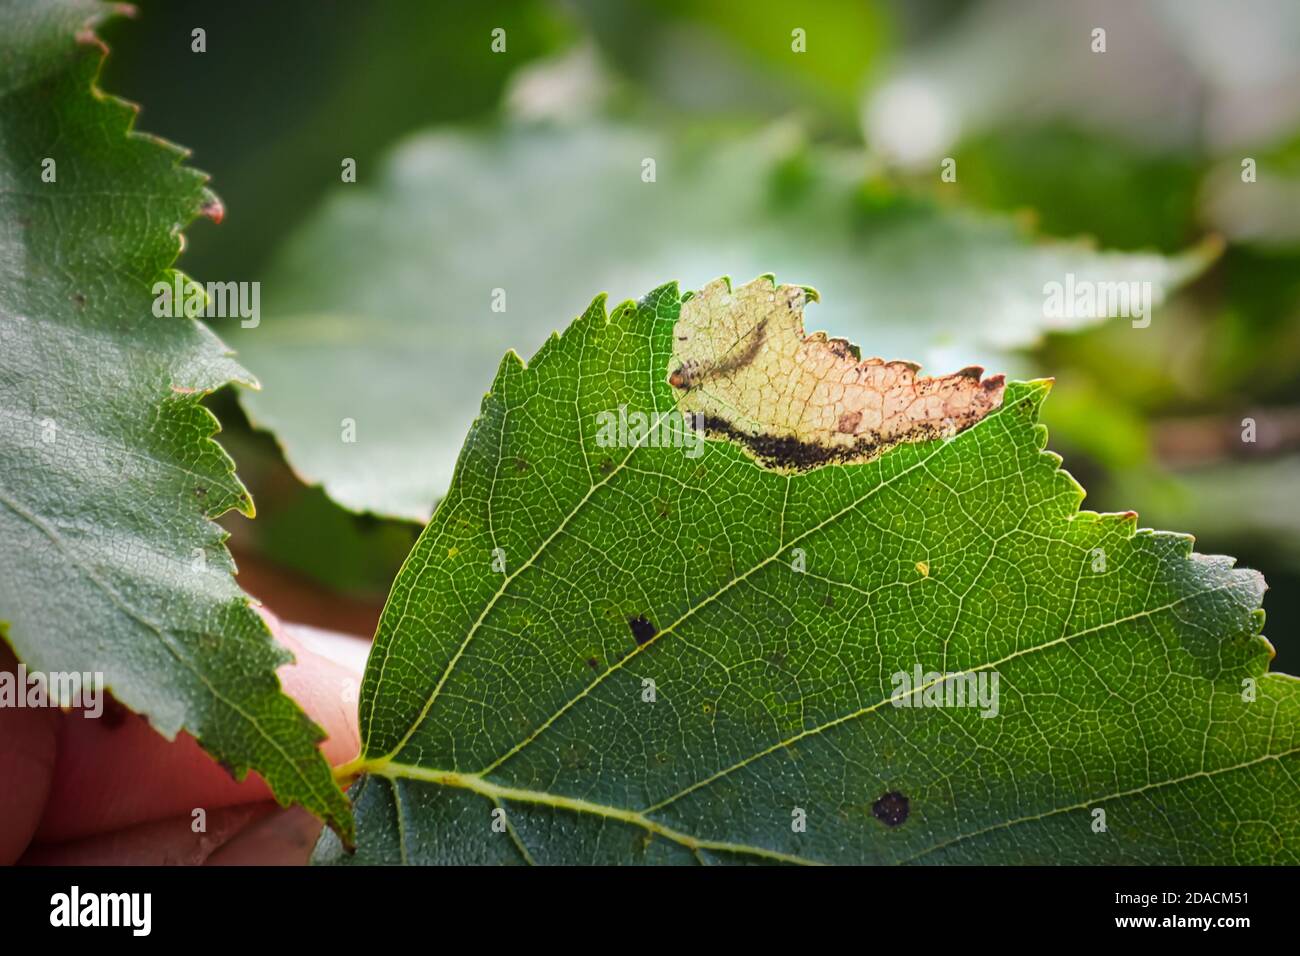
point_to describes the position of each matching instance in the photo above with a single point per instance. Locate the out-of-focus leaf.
(1248, 501)
(1083, 418)
(1075, 183)
(355, 555)
(381, 311)
(1256, 200)
(285, 91)
(743, 56)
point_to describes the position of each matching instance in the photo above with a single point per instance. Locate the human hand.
(76, 790)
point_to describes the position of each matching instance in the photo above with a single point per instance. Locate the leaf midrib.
(496, 793)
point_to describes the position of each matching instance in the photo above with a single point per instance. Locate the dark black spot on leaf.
(642, 629)
(891, 809)
(200, 492)
(80, 299)
(606, 466)
(521, 464)
(593, 663)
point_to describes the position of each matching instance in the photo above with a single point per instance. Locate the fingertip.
(325, 680)
(28, 746)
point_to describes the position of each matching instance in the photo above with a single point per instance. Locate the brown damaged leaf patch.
(744, 368)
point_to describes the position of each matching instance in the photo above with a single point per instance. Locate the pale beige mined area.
(742, 361)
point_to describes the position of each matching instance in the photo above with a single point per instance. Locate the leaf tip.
(213, 209)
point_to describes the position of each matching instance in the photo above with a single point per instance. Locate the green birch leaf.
(110, 561)
(654, 650)
(393, 305)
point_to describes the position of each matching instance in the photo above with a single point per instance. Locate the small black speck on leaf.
(642, 629)
(891, 809)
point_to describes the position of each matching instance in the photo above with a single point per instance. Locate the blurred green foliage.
(1080, 183)
(285, 91)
